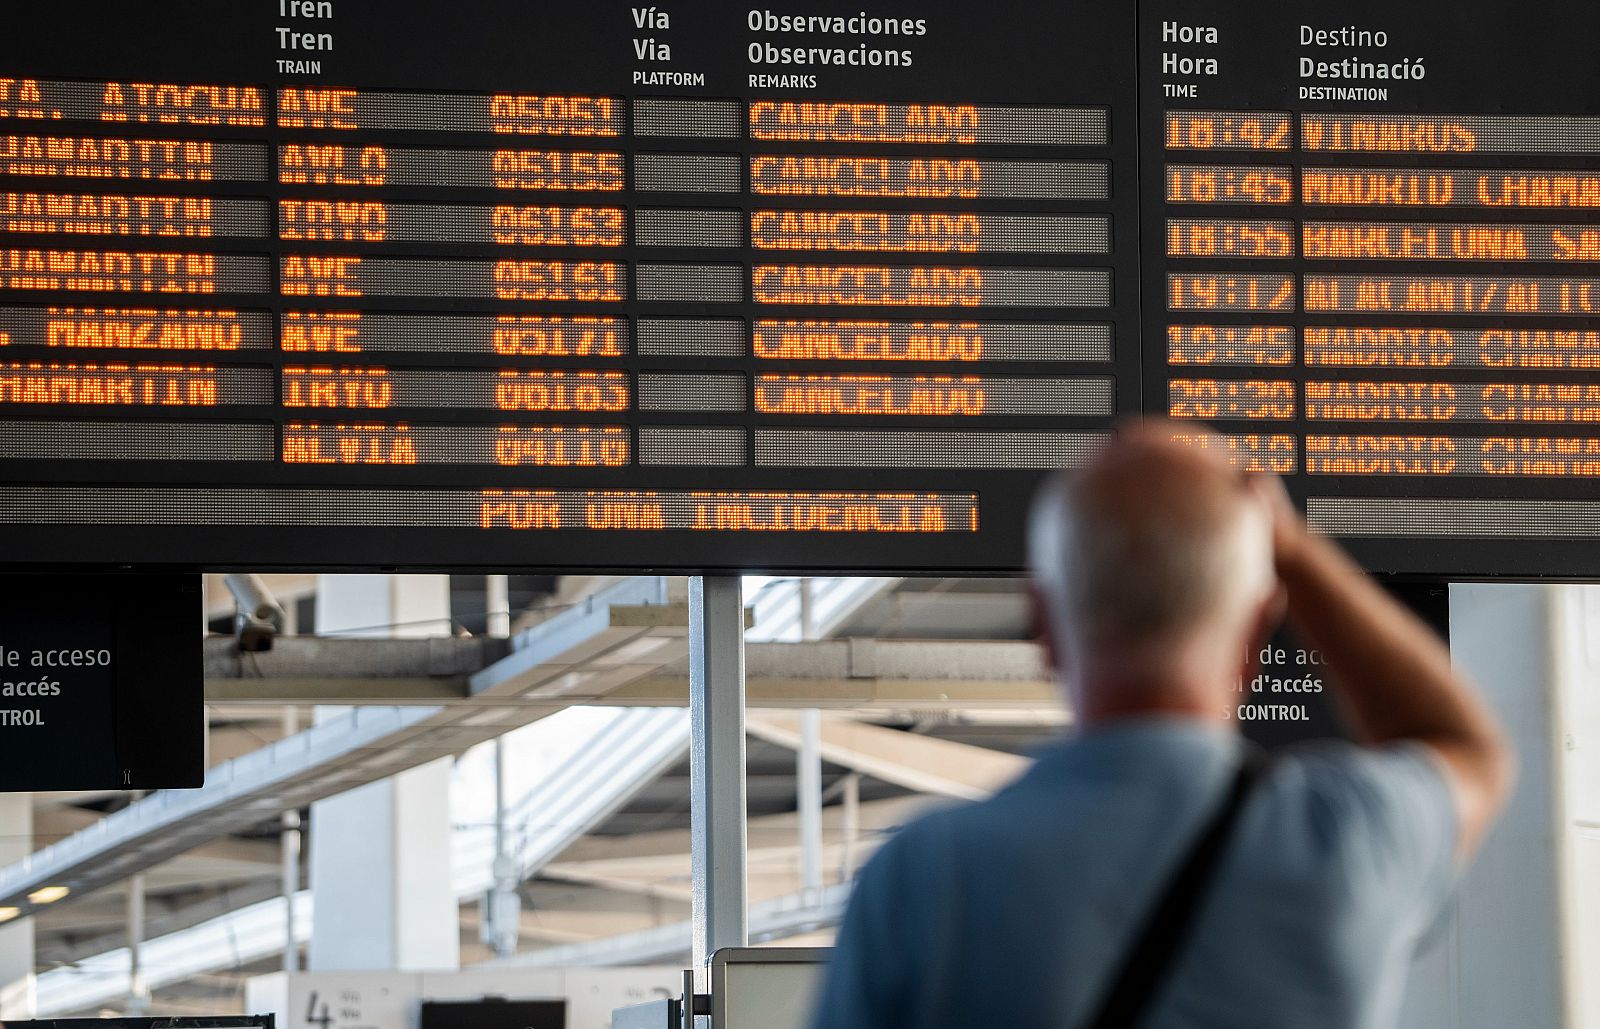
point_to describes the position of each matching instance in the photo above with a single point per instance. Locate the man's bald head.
(1154, 547)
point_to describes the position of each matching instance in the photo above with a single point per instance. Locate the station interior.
(507, 507)
(364, 749)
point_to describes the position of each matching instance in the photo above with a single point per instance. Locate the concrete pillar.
(1506, 951)
(380, 854)
(16, 936)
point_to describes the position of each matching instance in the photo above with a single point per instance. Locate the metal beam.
(652, 672)
(317, 670)
(919, 763)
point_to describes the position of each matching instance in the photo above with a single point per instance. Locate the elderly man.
(1143, 872)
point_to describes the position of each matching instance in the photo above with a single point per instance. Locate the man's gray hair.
(1114, 570)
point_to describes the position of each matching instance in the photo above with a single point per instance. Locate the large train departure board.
(1372, 260)
(379, 283)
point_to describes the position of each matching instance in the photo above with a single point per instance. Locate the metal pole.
(138, 994)
(808, 769)
(289, 853)
(502, 914)
(716, 767)
(499, 796)
(808, 786)
(852, 825)
(808, 624)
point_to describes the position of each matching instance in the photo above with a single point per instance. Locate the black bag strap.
(1149, 958)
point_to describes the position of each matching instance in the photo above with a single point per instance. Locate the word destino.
(861, 24)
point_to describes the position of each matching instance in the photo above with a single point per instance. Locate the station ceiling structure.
(911, 718)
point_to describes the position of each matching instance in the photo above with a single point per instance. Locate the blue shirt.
(1013, 911)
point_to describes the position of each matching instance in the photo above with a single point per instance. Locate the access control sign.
(100, 683)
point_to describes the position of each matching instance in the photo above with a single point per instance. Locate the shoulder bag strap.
(1146, 963)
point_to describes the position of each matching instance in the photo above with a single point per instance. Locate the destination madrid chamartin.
(823, 287)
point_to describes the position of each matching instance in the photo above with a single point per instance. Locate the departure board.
(350, 284)
(696, 286)
(1370, 260)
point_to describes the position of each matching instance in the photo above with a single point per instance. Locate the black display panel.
(100, 683)
(355, 284)
(1369, 240)
(493, 1013)
(527, 285)
(163, 1022)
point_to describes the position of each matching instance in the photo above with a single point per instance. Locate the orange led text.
(108, 271)
(804, 175)
(148, 385)
(863, 122)
(142, 329)
(170, 104)
(883, 395)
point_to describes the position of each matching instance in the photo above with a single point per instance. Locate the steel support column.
(289, 841)
(138, 1002)
(716, 767)
(851, 827)
(808, 790)
(808, 768)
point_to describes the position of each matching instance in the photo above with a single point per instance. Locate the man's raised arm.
(1391, 672)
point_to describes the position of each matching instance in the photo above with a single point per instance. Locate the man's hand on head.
(1289, 534)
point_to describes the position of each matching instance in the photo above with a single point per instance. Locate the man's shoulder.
(1354, 810)
(1366, 773)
